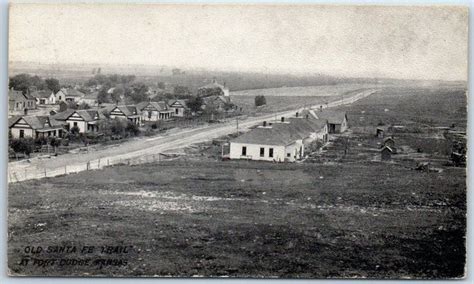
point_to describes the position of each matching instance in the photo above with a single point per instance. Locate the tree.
(53, 84)
(23, 82)
(139, 93)
(260, 100)
(83, 105)
(63, 106)
(195, 104)
(180, 91)
(103, 96)
(117, 94)
(161, 85)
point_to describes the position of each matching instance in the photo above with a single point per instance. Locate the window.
(75, 124)
(288, 155)
(22, 133)
(244, 151)
(270, 152)
(262, 152)
(176, 110)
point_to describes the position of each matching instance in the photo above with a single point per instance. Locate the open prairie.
(198, 216)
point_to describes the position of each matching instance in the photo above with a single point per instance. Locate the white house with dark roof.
(337, 120)
(85, 120)
(179, 108)
(155, 111)
(34, 127)
(283, 140)
(44, 97)
(130, 113)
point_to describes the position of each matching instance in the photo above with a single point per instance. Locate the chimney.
(282, 119)
(297, 114)
(264, 123)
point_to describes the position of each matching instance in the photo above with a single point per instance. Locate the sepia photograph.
(237, 140)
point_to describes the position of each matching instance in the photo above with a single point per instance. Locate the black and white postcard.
(242, 141)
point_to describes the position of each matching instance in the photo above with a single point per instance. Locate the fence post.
(98, 164)
(44, 172)
(88, 165)
(65, 169)
(107, 162)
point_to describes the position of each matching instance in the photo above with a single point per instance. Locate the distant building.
(44, 97)
(379, 132)
(218, 103)
(35, 127)
(60, 95)
(155, 111)
(214, 86)
(73, 95)
(390, 142)
(90, 99)
(386, 153)
(179, 108)
(17, 101)
(337, 121)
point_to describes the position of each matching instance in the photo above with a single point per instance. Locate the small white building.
(268, 143)
(337, 120)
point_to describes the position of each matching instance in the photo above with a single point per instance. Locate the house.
(218, 103)
(311, 129)
(267, 143)
(90, 99)
(85, 120)
(179, 108)
(73, 95)
(17, 101)
(154, 111)
(337, 121)
(35, 127)
(130, 113)
(44, 97)
(386, 153)
(214, 88)
(61, 95)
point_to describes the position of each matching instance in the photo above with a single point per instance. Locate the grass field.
(203, 217)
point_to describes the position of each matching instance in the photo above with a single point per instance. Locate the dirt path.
(142, 147)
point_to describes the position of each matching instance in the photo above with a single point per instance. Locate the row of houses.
(87, 121)
(286, 139)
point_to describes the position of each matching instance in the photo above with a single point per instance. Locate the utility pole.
(237, 120)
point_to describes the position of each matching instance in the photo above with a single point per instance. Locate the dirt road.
(140, 148)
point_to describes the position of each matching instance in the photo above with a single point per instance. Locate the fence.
(28, 173)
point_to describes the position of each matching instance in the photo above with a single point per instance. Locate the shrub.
(260, 100)
(23, 145)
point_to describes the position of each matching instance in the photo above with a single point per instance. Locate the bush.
(23, 145)
(132, 129)
(260, 101)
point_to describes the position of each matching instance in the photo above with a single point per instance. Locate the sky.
(353, 41)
